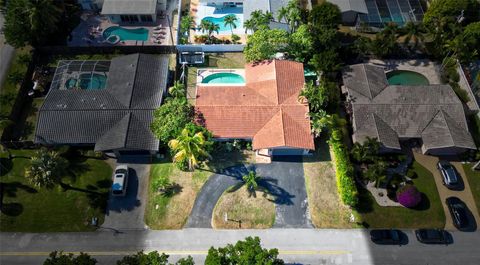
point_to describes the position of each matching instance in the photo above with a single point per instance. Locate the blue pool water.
(221, 22)
(406, 78)
(224, 78)
(139, 34)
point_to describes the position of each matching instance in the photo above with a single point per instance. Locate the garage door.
(287, 152)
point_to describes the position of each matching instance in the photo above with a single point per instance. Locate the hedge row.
(345, 174)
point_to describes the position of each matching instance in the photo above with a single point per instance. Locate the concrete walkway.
(430, 163)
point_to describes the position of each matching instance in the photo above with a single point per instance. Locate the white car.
(120, 180)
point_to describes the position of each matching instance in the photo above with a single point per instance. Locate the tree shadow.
(10, 189)
(77, 168)
(365, 201)
(280, 195)
(424, 203)
(172, 190)
(6, 166)
(12, 209)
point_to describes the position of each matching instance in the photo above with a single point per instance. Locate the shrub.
(412, 174)
(409, 196)
(345, 174)
(160, 183)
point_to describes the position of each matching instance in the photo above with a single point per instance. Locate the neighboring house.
(432, 114)
(105, 104)
(133, 11)
(264, 109)
(376, 13)
(126, 11)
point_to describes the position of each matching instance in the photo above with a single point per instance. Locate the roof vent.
(94, 98)
(83, 100)
(102, 106)
(132, 65)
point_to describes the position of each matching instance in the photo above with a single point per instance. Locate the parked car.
(432, 236)
(120, 180)
(386, 236)
(458, 211)
(449, 174)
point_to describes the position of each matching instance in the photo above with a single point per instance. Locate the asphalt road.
(296, 246)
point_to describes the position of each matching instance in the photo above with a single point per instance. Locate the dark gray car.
(449, 174)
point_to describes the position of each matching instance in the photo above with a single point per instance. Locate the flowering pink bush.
(409, 196)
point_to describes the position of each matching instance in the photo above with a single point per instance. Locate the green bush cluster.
(345, 174)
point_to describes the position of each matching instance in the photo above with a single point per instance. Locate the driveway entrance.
(126, 213)
(430, 163)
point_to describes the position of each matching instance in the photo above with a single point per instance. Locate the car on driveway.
(386, 236)
(458, 211)
(432, 236)
(120, 180)
(449, 174)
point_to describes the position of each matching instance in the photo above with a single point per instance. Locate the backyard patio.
(98, 30)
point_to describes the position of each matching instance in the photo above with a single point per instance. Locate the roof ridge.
(275, 80)
(283, 126)
(368, 82)
(134, 79)
(265, 124)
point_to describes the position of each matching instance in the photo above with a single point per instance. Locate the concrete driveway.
(430, 162)
(126, 213)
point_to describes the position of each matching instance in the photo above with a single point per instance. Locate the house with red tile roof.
(265, 109)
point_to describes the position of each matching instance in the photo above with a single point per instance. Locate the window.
(146, 18)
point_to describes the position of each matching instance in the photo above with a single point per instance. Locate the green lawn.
(473, 178)
(27, 208)
(429, 214)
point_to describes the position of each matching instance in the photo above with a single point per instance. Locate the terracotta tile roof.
(265, 110)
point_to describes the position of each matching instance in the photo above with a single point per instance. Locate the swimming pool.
(139, 34)
(87, 81)
(220, 21)
(406, 78)
(223, 78)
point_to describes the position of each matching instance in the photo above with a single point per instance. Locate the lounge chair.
(158, 27)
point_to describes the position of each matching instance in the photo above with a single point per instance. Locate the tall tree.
(301, 44)
(46, 168)
(325, 15)
(170, 118)
(152, 258)
(264, 44)
(59, 258)
(31, 21)
(385, 42)
(190, 147)
(230, 20)
(186, 24)
(249, 251)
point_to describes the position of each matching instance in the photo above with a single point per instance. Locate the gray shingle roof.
(351, 5)
(117, 117)
(432, 112)
(129, 7)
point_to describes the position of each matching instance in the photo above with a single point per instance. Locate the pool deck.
(84, 35)
(197, 12)
(203, 73)
(427, 68)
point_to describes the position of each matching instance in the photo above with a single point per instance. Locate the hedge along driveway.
(429, 213)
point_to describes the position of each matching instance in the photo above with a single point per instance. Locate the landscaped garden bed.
(28, 208)
(429, 213)
(244, 210)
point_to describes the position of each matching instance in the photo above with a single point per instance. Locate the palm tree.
(251, 182)
(205, 25)
(283, 14)
(177, 90)
(46, 169)
(189, 147)
(414, 32)
(376, 172)
(249, 24)
(317, 122)
(213, 28)
(366, 151)
(230, 20)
